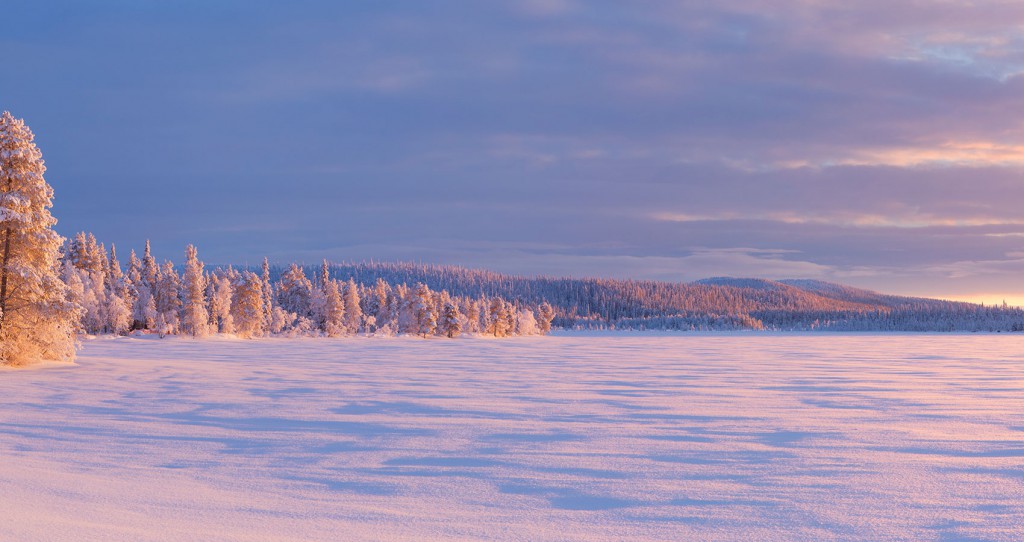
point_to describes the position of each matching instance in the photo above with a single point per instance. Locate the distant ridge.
(713, 303)
(857, 295)
(830, 290)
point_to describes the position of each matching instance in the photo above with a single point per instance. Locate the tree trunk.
(5, 263)
(3, 276)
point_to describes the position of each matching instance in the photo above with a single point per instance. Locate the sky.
(874, 143)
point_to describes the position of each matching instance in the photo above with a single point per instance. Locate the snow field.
(612, 437)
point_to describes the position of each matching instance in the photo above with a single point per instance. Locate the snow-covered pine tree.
(83, 254)
(195, 318)
(135, 288)
(497, 317)
(93, 302)
(75, 251)
(144, 312)
(134, 268)
(353, 310)
(526, 322)
(281, 320)
(295, 292)
(168, 303)
(451, 320)
(119, 300)
(94, 262)
(545, 314)
(423, 310)
(325, 275)
(114, 273)
(150, 269)
(334, 310)
(401, 309)
(511, 318)
(247, 306)
(75, 292)
(118, 308)
(145, 275)
(318, 298)
(268, 295)
(104, 265)
(220, 294)
(36, 319)
(378, 304)
(472, 312)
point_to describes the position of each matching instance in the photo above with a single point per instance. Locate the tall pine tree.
(195, 317)
(37, 321)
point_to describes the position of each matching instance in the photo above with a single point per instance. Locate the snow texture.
(619, 437)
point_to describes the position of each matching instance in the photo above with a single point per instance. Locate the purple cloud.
(868, 142)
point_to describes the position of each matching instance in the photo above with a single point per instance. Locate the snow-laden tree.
(511, 318)
(144, 312)
(150, 270)
(324, 276)
(375, 305)
(403, 309)
(85, 253)
(423, 314)
(318, 298)
(545, 314)
(334, 310)
(195, 317)
(114, 273)
(168, 301)
(75, 252)
(281, 320)
(498, 318)
(37, 320)
(451, 320)
(268, 295)
(353, 310)
(75, 292)
(119, 315)
(247, 305)
(295, 292)
(526, 323)
(94, 302)
(137, 291)
(471, 309)
(119, 297)
(145, 275)
(219, 292)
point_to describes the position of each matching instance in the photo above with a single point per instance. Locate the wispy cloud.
(951, 153)
(848, 220)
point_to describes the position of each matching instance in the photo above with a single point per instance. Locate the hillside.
(714, 303)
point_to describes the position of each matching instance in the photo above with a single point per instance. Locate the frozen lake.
(714, 437)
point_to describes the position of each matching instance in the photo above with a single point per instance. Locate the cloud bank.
(875, 143)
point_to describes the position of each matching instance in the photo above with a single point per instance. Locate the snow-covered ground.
(629, 437)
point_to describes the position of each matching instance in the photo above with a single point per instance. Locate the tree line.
(147, 296)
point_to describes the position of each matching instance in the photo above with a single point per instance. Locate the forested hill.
(829, 290)
(716, 303)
